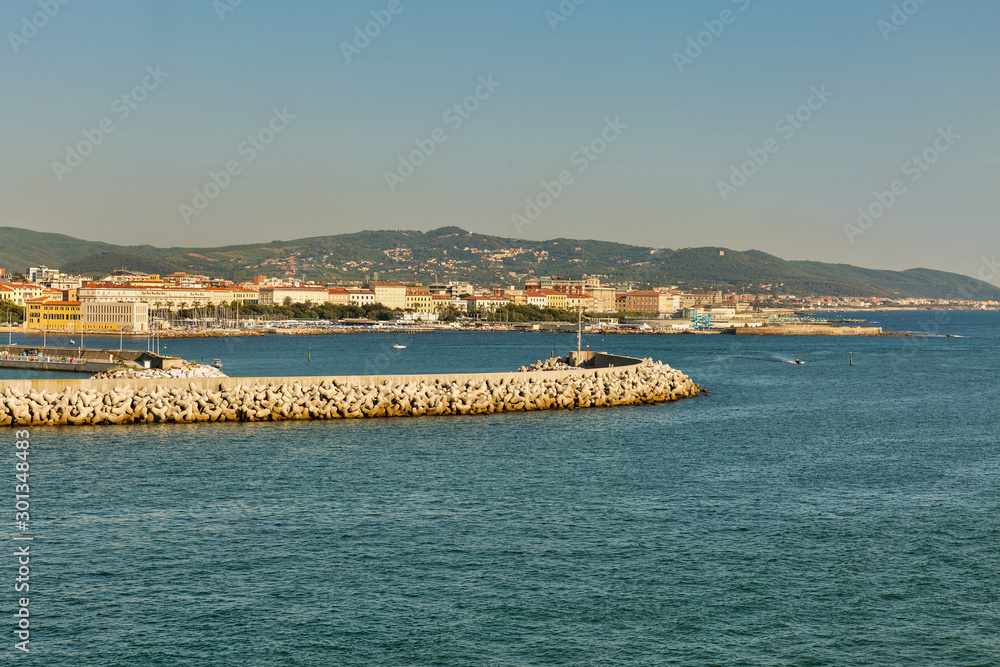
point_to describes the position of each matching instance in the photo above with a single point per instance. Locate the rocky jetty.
(210, 333)
(130, 401)
(553, 364)
(189, 371)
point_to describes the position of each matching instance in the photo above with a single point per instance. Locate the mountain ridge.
(452, 253)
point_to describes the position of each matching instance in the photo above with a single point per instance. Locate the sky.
(861, 132)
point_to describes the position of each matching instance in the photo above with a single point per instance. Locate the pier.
(77, 360)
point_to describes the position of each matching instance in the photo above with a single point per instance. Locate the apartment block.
(114, 317)
(279, 296)
(390, 295)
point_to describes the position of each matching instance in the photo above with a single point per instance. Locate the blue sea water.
(816, 514)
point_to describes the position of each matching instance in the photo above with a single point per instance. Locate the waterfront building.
(443, 301)
(20, 293)
(390, 295)
(277, 296)
(45, 312)
(651, 302)
(338, 296)
(689, 299)
(360, 296)
(576, 301)
(113, 317)
(518, 297)
(419, 299)
(604, 298)
(537, 299)
(171, 297)
(554, 298)
(52, 314)
(488, 303)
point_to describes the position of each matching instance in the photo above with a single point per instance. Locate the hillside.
(450, 253)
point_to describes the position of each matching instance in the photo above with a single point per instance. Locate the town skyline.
(453, 254)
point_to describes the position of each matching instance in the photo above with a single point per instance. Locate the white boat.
(217, 363)
(399, 347)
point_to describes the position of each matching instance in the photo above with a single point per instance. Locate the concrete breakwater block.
(131, 401)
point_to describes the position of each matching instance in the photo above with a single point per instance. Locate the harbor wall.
(805, 330)
(122, 401)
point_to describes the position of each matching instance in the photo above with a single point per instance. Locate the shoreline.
(323, 331)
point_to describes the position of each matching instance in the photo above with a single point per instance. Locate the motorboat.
(399, 347)
(217, 363)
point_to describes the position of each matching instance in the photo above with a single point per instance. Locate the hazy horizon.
(733, 123)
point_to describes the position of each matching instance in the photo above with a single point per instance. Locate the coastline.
(330, 331)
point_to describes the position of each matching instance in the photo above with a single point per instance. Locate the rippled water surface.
(816, 514)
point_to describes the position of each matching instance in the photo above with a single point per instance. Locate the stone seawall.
(805, 330)
(129, 401)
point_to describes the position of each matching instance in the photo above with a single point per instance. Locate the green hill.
(451, 253)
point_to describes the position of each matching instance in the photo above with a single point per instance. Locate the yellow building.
(419, 300)
(390, 295)
(604, 298)
(51, 315)
(554, 299)
(517, 297)
(580, 301)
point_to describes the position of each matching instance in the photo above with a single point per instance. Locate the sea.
(844, 511)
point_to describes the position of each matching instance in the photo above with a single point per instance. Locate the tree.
(18, 277)
(287, 301)
(16, 312)
(449, 313)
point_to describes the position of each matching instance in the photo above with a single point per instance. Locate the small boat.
(72, 342)
(217, 363)
(399, 347)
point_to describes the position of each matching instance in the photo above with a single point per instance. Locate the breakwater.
(607, 381)
(806, 330)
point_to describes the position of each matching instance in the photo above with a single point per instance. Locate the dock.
(76, 360)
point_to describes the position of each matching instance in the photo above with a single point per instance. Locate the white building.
(360, 297)
(277, 296)
(114, 317)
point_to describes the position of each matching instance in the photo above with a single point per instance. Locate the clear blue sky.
(656, 184)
